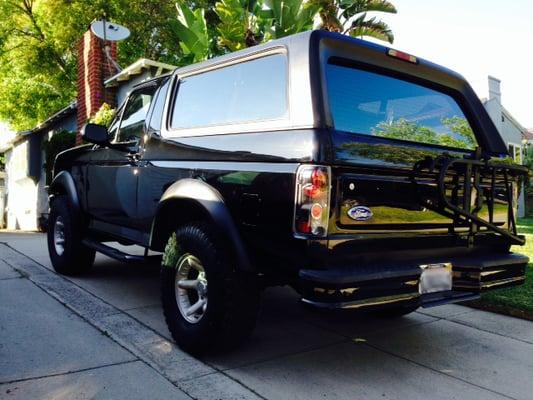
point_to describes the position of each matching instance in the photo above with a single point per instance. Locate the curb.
(161, 354)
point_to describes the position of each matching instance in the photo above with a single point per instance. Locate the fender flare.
(212, 204)
(64, 183)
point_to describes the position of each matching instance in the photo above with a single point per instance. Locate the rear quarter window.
(254, 90)
(369, 103)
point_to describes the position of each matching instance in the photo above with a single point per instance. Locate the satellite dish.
(109, 31)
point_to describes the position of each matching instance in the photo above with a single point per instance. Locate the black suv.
(357, 174)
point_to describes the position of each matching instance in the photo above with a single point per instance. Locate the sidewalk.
(48, 352)
(52, 330)
(102, 335)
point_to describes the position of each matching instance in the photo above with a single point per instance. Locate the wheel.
(68, 254)
(208, 304)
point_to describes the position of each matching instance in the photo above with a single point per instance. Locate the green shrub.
(103, 116)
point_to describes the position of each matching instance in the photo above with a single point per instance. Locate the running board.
(119, 255)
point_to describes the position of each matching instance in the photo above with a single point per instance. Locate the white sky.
(5, 134)
(476, 38)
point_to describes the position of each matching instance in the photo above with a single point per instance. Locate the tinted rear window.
(249, 91)
(369, 103)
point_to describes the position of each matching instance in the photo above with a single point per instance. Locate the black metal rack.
(464, 186)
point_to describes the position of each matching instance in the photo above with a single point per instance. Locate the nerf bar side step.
(117, 254)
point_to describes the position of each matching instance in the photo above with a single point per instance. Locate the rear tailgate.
(384, 196)
(390, 117)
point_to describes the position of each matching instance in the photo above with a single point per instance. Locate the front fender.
(210, 201)
(63, 184)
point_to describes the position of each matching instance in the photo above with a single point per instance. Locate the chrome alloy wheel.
(59, 236)
(191, 288)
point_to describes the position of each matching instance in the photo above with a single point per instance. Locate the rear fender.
(189, 197)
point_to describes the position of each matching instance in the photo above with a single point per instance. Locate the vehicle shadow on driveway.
(285, 326)
(348, 350)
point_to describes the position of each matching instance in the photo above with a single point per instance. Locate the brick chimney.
(494, 89)
(494, 105)
(93, 70)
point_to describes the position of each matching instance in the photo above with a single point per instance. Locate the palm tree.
(245, 23)
(350, 17)
(286, 17)
(239, 23)
(191, 28)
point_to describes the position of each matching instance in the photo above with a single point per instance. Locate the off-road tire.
(232, 295)
(76, 258)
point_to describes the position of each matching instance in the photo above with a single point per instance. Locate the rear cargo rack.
(464, 186)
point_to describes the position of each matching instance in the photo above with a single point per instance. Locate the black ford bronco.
(359, 175)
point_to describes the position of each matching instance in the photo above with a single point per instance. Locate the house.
(25, 197)
(133, 74)
(513, 134)
(510, 129)
(6, 135)
(528, 137)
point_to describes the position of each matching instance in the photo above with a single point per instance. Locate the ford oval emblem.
(360, 213)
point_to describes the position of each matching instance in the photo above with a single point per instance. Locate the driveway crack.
(74, 371)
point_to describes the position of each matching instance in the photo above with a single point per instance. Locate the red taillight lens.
(319, 178)
(311, 191)
(316, 211)
(402, 56)
(312, 200)
(319, 181)
(304, 227)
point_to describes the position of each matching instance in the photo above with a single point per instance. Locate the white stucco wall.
(22, 192)
(509, 131)
(3, 178)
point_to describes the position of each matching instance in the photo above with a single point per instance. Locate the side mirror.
(96, 134)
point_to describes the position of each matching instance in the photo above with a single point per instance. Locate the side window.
(157, 110)
(134, 115)
(254, 90)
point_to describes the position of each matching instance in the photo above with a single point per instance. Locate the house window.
(515, 151)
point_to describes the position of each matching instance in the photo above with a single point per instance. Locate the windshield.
(369, 103)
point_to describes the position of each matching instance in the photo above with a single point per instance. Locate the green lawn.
(518, 300)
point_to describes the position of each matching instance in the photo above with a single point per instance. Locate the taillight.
(402, 56)
(311, 209)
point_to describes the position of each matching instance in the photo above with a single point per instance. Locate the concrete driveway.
(448, 352)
